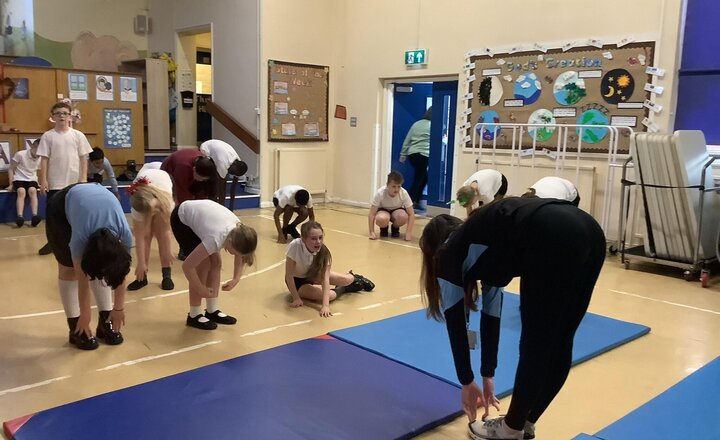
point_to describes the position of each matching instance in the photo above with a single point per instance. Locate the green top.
(417, 140)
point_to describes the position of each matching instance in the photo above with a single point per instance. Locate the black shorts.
(299, 282)
(390, 211)
(17, 184)
(186, 238)
(57, 227)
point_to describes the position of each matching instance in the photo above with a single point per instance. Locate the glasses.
(61, 114)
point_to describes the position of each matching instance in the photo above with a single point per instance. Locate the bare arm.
(117, 315)
(11, 173)
(140, 233)
(43, 175)
(311, 213)
(238, 265)
(82, 178)
(371, 222)
(290, 282)
(411, 223)
(83, 325)
(276, 217)
(325, 309)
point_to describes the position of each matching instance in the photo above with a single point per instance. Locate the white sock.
(102, 294)
(212, 306)
(195, 311)
(69, 297)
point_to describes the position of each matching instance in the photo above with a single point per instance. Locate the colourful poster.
(22, 88)
(104, 87)
(128, 89)
(4, 156)
(117, 124)
(77, 86)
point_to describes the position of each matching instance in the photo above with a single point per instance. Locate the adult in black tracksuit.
(557, 250)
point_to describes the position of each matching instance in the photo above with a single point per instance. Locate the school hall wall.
(235, 48)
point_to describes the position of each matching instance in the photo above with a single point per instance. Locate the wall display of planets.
(569, 88)
(593, 114)
(528, 88)
(488, 132)
(490, 91)
(541, 117)
(617, 86)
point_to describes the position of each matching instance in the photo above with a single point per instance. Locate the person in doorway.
(481, 188)
(309, 275)
(522, 237)
(288, 201)
(553, 187)
(391, 204)
(416, 149)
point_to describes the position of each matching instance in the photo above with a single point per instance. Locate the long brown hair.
(142, 197)
(243, 239)
(322, 259)
(431, 241)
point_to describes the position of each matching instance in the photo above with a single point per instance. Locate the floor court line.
(665, 302)
(52, 312)
(33, 385)
(158, 356)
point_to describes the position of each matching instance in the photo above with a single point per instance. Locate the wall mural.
(100, 53)
(17, 28)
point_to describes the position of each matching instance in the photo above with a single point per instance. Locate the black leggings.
(565, 252)
(420, 165)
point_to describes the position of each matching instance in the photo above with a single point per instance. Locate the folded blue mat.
(413, 340)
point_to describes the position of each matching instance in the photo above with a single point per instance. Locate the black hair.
(106, 258)
(302, 197)
(395, 177)
(205, 167)
(503, 188)
(238, 168)
(96, 154)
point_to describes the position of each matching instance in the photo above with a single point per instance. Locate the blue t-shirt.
(89, 207)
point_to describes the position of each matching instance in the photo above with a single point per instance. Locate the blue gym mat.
(319, 388)
(423, 344)
(688, 410)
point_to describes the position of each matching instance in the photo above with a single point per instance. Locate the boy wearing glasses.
(63, 152)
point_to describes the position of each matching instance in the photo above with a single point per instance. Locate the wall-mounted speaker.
(142, 24)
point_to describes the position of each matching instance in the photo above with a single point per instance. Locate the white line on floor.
(21, 236)
(411, 296)
(152, 358)
(666, 302)
(52, 312)
(270, 329)
(380, 304)
(379, 241)
(33, 385)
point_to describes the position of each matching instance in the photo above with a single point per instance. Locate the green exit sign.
(415, 57)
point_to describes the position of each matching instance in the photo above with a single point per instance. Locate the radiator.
(306, 167)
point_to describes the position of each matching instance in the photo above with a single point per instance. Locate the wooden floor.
(39, 370)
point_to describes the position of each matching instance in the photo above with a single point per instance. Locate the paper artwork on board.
(117, 124)
(77, 86)
(128, 89)
(104, 87)
(288, 130)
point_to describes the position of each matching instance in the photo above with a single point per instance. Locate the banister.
(234, 126)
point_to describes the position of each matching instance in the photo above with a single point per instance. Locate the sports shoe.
(493, 429)
(529, 430)
(167, 284)
(384, 231)
(202, 325)
(35, 221)
(105, 331)
(219, 317)
(137, 284)
(395, 232)
(45, 250)
(291, 231)
(19, 221)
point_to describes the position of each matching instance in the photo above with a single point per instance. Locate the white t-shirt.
(299, 253)
(552, 187)
(222, 153)
(383, 200)
(286, 196)
(25, 166)
(64, 151)
(209, 220)
(488, 181)
(159, 179)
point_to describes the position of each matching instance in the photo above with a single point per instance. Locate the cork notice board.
(297, 102)
(583, 85)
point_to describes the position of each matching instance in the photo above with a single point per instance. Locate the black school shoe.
(137, 284)
(384, 231)
(105, 331)
(365, 283)
(195, 322)
(215, 317)
(167, 284)
(80, 341)
(19, 221)
(35, 221)
(395, 232)
(45, 250)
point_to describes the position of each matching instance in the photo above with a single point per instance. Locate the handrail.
(233, 126)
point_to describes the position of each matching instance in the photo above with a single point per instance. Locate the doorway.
(193, 87)
(406, 103)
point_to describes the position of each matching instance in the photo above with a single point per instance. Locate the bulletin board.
(297, 102)
(582, 85)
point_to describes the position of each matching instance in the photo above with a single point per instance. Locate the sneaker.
(137, 284)
(19, 221)
(366, 283)
(395, 232)
(291, 231)
(167, 284)
(201, 322)
(45, 250)
(83, 342)
(105, 332)
(219, 317)
(35, 221)
(493, 429)
(529, 430)
(384, 231)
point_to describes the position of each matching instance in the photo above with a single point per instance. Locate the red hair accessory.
(143, 181)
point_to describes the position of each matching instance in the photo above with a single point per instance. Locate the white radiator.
(306, 167)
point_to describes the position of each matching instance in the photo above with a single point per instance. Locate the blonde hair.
(322, 259)
(466, 195)
(244, 240)
(141, 201)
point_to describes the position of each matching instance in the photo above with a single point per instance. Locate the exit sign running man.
(415, 57)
